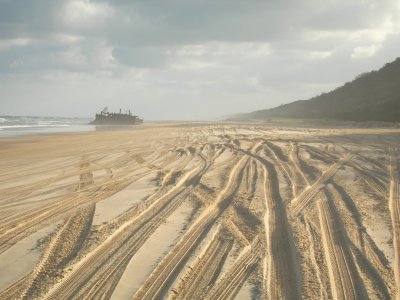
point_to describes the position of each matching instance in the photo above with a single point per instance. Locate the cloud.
(185, 56)
(364, 51)
(140, 57)
(85, 15)
(319, 54)
(8, 43)
(218, 54)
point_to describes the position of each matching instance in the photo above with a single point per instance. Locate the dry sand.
(201, 211)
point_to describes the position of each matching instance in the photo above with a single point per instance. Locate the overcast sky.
(185, 59)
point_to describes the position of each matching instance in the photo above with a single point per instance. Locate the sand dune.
(266, 213)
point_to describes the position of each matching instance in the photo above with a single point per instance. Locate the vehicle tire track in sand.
(379, 283)
(169, 176)
(229, 285)
(282, 274)
(14, 291)
(313, 255)
(236, 232)
(87, 267)
(308, 195)
(203, 273)
(159, 281)
(109, 272)
(343, 275)
(281, 161)
(378, 259)
(362, 246)
(292, 163)
(294, 158)
(19, 193)
(14, 229)
(394, 205)
(371, 182)
(62, 247)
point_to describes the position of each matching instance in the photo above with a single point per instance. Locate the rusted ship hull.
(106, 118)
(110, 120)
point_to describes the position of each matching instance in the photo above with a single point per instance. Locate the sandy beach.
(201, 211)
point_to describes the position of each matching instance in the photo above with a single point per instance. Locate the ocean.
(24, 125)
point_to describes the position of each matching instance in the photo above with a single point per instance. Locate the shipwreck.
(111, 118)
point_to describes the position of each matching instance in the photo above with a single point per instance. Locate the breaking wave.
(20, 124)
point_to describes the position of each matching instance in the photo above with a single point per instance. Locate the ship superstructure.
(111, 118)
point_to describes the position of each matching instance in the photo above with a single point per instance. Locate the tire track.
(323, 293)
(281, 162)
(62, 247)
(229, 285)
(19, 226)
(343, 275)
(203, 274)
(282, 274)
(371, 182)
(301, 202)
(159, 281)
(294, 158)
(85, 269)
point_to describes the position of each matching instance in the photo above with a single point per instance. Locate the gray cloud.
(140, 57)
(185, 59)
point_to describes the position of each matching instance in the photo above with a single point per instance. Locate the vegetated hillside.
(373, 96)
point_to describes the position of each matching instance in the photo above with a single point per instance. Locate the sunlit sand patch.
(21, 258)
(224, 157)
(123, 200)
(144, 261)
